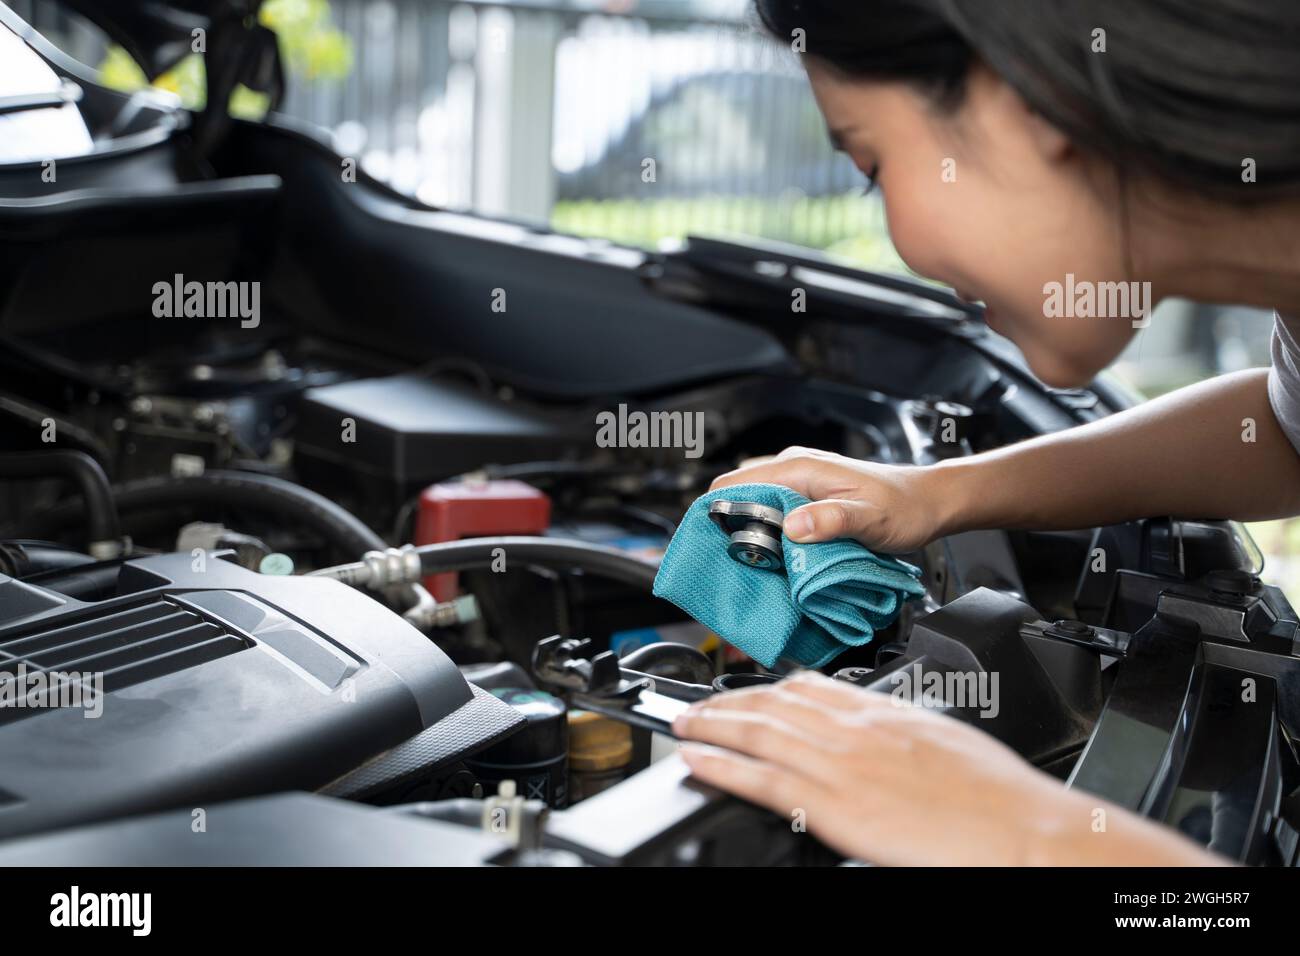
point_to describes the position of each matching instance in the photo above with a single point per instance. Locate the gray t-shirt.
(1284, 377)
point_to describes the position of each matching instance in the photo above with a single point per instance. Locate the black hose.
(288, 502)
(669, 659)
(76, 466)
(561, 554)
(19, 559)
(37, 416)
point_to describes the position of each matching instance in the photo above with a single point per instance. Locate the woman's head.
(1018, 143)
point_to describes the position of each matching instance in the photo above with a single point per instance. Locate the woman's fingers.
(804, 713)
(812, 686)
(830, 519)
(777, 788)
(823, 520)
(893, 508)
(838, 719)
(795, 474)
(803, 469)
(830, 515)
(815, 753)
(809, 702)
(836, 818)
(776, 727)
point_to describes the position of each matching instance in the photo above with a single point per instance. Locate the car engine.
(256, 633)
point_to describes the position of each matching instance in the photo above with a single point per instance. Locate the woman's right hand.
(893, 509)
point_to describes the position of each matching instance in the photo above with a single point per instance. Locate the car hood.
(160, 33)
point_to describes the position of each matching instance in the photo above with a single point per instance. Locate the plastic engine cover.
(218, 683)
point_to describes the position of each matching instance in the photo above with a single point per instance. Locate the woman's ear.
(1014, 114)
(1053, 145)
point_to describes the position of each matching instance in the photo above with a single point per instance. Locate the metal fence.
(634, 126)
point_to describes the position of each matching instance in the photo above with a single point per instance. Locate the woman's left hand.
(890, 783)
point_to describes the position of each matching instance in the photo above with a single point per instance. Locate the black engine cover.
(219, 683)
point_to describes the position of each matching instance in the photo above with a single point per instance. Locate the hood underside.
(160, 33)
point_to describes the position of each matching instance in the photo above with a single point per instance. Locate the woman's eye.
(871, 180)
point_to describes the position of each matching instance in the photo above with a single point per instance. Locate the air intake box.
(219, 683)
(387, 438)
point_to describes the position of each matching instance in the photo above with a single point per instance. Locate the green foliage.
(847, 227)
(312, 49)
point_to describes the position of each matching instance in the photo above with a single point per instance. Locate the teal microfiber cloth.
(827, 598)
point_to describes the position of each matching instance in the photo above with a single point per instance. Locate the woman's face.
(993, 201)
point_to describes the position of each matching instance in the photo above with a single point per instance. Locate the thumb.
(825, 520)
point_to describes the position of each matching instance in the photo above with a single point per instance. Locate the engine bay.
(256, 633)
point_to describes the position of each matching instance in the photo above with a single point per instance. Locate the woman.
(1019, 144)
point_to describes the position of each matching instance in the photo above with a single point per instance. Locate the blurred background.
(637, 121)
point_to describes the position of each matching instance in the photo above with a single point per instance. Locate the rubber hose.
(20, 559)
(558, 553)
(263, 493)
(76, 466)
(669, 659)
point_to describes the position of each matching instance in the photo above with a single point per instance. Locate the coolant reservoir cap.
(597, 743)
(276, 563)
(544, 737)
(753, 530)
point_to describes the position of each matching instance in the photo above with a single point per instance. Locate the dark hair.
(1186, 90)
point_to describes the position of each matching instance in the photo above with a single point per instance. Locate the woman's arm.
(1212, 450)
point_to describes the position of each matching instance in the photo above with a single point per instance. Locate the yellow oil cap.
(597, 743)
